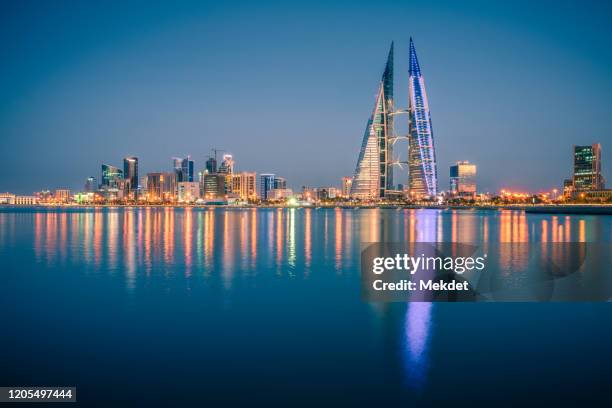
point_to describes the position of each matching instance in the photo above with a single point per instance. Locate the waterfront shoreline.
(603, 209)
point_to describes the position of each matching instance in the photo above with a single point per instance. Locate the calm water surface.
(145, 305)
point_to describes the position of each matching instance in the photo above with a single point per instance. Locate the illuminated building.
(227, 169)
(587, 168)
(568, 188)
(281, 193)
(214, 186)
(183, 168)
(7, 198)
(111, 176)
(333, 192)
(227, 165)
(91, 184)
(211, 165)
(346, 186)
(188, 191)
(130, 174)
(373, 173)
(266, 185)
(463, 179)
(160, 186)
(280, 183)
(62, 195)
(423, 173)
(25, 200)
(308, 193)
(244, 185)
(44, 196)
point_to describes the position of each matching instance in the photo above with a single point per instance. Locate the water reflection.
(228, 247)
(232, 242)
(417, 333)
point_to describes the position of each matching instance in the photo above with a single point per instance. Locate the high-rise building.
(183, 168)
(177, 165)
(280, 183)
(227, 169)
(214, 186)
(244, 185)
(463, 179)
(374, 173)
(62, 195)
(587, 168)
(266, 185)
(188, 167)
(91, 184)
(211, 165)
(346, 186)
(423, 172)
(227, 165)
(160, 186)
(111, 176)
(130, 173)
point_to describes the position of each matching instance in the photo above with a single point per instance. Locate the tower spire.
(423, 172)
(414, 69)
(387, 77)
(373, 174)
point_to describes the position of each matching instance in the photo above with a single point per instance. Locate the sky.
(287, 87)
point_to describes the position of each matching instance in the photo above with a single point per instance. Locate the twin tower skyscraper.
(373, 177)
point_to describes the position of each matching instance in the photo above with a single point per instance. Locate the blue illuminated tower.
(423, 173)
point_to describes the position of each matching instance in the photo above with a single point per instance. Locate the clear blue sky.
(287, 87)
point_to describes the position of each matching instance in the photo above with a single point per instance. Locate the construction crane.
(215, 151)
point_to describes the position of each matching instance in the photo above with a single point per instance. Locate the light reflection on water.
(193, 244)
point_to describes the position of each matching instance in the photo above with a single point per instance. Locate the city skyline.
(159, 84)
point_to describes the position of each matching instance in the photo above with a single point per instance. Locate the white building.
(188, 191)
(281, 193)
(7, 198)
(25, 200)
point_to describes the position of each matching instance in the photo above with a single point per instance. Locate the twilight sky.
(287, 87)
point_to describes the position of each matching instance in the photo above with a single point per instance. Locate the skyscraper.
(183, 168)
(130, 173)
(423, 173)
(243, 184)
(161, 186)
(280, 183)
(463, 179)
(587, 168)
(211, 165)
(227, 165)
(111, 176)
(91, 184)
(266, 185)
(214, 186)
(188, 167)
(346, 186)
(373, 173)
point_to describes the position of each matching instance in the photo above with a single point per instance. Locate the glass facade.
(587, 168)
(463, 179)
(423, 173)
(211, 165)
(111, 176)
(130, 172)
(266, 185)
(373, 173)
(91, 184)
(161, 186)
(183, 168)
